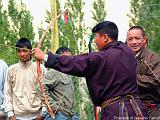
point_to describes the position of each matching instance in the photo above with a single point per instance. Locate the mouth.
(135, 47)
(23, 59)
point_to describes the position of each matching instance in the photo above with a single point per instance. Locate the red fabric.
(150, 106)
(66, 19)
(96, 112)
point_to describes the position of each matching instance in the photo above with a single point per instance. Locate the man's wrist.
(44, 111)
(45, 58)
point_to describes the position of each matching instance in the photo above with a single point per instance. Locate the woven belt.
(115, 100)
(123, 112)
(110, 101)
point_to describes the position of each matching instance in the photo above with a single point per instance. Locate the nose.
(22, 53)
(134, 40)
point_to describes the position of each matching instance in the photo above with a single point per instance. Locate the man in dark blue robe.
(110, 74)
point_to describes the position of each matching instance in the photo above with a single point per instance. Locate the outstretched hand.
(38, 54)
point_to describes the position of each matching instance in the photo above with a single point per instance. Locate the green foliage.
(67, 36)
(99, 12)
(78, 99)
(77, 29)
(6, 53)
(146, 13)
(16, 22)
(89, 110)
(21, 19)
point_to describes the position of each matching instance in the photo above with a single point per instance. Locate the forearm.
(50, 60)
(147, 82)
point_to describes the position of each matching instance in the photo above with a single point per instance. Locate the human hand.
(39, 117)
(38, 54)
(12, 118)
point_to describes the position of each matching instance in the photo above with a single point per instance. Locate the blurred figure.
(148, 70)
(60, 91)
(3, 74)
(21, 100)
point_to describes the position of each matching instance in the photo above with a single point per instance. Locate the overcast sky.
(116, 12)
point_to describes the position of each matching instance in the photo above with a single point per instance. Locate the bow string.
(38, 65)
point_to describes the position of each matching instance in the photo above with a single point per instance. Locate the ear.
(145, 42)
(106, 37)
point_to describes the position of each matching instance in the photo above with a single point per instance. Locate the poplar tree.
(16, 22)
(21, 20)
(4, 34)
(146, 13)
(99, 13)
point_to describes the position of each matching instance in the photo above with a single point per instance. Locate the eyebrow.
(18, 48)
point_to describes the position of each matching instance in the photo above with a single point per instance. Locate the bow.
(38, 65)
(90, 42)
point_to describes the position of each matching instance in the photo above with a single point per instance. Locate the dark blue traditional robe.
(109, 73)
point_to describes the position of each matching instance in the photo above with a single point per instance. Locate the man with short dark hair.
(148, 70)
(60, 91)
(110, 73)
(21, 99)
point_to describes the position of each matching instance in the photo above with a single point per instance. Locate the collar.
(137, 55)
(140, 54)
(111, 44)
(25, 64)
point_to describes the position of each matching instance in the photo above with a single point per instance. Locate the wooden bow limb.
(96, 112)
(38, 66)
(51, 23)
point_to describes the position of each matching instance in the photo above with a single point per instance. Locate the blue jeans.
(61, 116)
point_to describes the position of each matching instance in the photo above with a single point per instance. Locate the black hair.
(108, 28)
(62, 50)
(23, 42)
(139, 28)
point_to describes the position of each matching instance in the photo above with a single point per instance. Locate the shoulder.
(2, 61)
(51, 74)
(151, 56)
(54, 74)
(13, 68)
(3, 64)
(150, 53)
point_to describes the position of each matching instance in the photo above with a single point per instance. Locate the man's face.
(100, 41)
(24, 54)
(135, 40)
